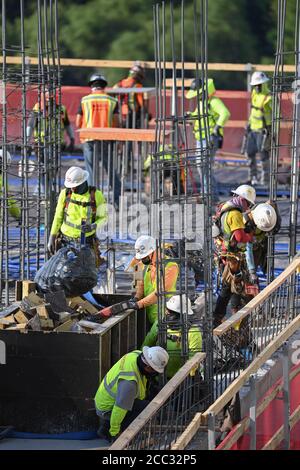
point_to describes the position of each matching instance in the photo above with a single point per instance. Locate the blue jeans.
(113, 177)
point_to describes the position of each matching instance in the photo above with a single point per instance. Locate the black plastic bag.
(71, 270)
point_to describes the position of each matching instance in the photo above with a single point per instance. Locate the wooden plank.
(119, 134)
(10, 310)
(158, 402)
(66, 326)
(27, 288)
(275, 440)
(19, 326)
(105, 354)
(18, 290)
(42, 311)
(235, 386)
(238, 432)
(188, 434)
(46, 323)
(4, 323)
(125, 64)
(10, 319)
(20, 317)
(34, 324)
(258, 299)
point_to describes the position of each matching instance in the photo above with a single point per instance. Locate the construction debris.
(52, 313)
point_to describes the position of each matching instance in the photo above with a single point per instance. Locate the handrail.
(124, 64)
(144, 417)
(258, 299)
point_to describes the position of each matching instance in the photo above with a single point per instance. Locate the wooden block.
(34, 324)
(18, 290)
(20, 317)
(10, 318)
(46, 323)
(66, 326)
(42, 311)
(27, 288)
(74, 302)
(90, 308)
(20, 326)
(63, 317)
(10, 310)
(4, 323)
(32, 300)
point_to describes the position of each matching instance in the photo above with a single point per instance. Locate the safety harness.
(91, 204)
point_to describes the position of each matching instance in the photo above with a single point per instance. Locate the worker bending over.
(80, 209)
(176, 307)
(122, 394)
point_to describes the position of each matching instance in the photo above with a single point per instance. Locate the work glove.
(119, 308)
(253, 278)
(216, 130)
(51, 244)
(71, 146)
(88, 228)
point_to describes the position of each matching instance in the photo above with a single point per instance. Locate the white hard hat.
(174, 304)
(75, 176)
(264, 217)
(247, 192)
(8, 156)
(258, 78)
(156, 357)
(144, 246)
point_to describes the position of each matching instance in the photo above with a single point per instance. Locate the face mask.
(258, 88)
(146, 260)
(82, 188)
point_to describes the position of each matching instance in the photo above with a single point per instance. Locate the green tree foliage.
(238, 31)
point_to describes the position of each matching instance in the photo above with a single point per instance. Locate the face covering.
(258, 88)
(82, 188)
(239, 201)
(146, 260)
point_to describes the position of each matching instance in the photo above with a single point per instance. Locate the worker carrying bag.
(71, 270)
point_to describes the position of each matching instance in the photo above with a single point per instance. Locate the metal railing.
(160, 424)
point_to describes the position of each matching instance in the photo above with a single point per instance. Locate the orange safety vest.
(98, 109)
(132, 101)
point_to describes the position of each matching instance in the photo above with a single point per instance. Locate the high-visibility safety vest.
(125, 369)
(73, 208)
(13, 208)
(174, 345)
(132, 101)
(218, 114)
(150, 287)
(261, 109)
(45, 126)
(227, 230)
(98, 109)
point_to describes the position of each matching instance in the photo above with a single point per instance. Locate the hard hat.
(144, 246)
(264, 217)
(175, 304)
(97, 78)
(156, 357)
(197, 85)
(247, 192)
(75, 176)
(8, 157)
(258, 78)
(137, 70)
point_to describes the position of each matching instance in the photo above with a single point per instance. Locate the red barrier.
(271, 419)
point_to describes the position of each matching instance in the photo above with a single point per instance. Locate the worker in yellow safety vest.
(146, 292)
(13, 208)
(176, 307)
(80, 209)
(218, 114)
(122, 394)
(259, 127)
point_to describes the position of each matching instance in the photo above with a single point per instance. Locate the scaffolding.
(29, 182)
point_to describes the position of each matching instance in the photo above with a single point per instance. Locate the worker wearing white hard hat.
(178, 310)
(80, 208)
(146, 293)
(258, 139)
(123, 393)
(13, 208)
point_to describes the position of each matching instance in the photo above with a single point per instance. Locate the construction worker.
(122, 394)
(132, 104)
(98, 109)
(80, 209)
(259, 127)
(218, 115)
(176, 306)
(146, 292)
(231, 237)
(13, 208)
(42, 124)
